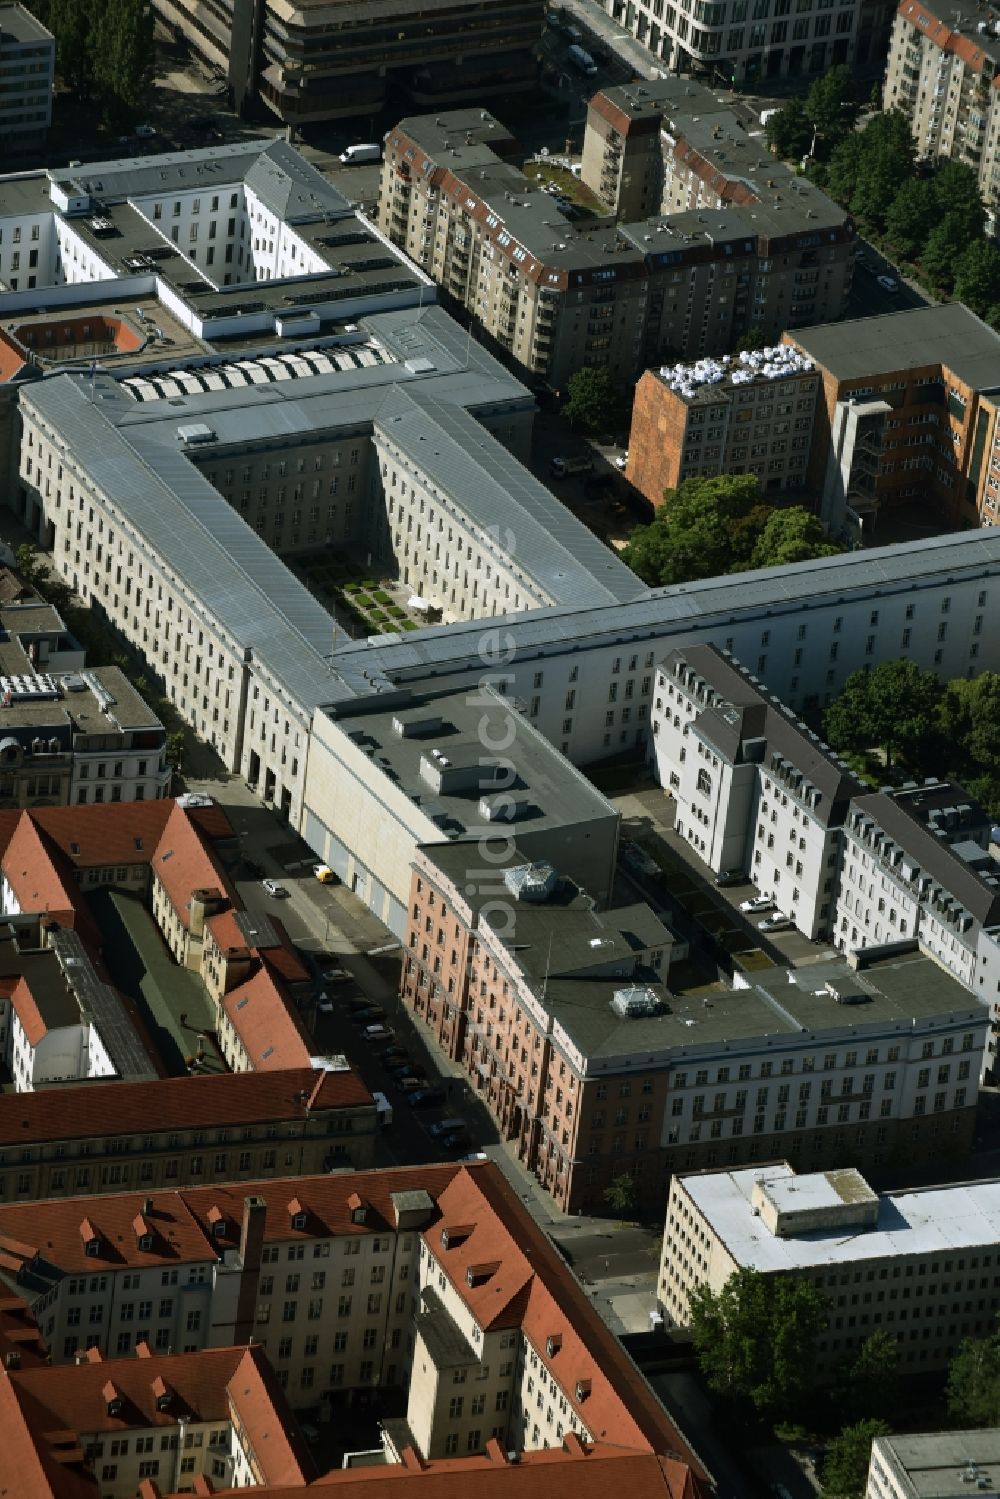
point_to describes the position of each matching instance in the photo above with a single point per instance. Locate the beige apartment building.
(921, 1265)
(942, 72)
(557, 294)
(176, 1132)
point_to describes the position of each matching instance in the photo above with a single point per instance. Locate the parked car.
(274, 887)
(394, 1053)
(757, 903)
(324, 874)
(622, 460)
(729, 877)
(412, 1084)
(398, 1064)
(378, 1033)
(324, 1005)
(639, 861)
(448, 1129)
(775, 923)
(370, 1015)
(426, 1098)
(412, 1073)
(337, 975)
(888, 283)
(358, 1002)
(145, 132)
(253, 869)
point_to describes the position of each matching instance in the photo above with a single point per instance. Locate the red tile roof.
(75, 1398)
(265, 1020)
(941, 34)
(26, 1009)
(184, 862)
(92, 1110)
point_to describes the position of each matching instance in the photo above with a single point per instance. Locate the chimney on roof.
(251, 1252)
(495, 1451)
(94, 1356)
(147, 1206)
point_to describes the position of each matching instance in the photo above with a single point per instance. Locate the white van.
(354, 155)
(383, 1109)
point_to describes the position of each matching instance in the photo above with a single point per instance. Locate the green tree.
(790, 132)
(697, 531)
(832, 104)
(883, 160)
(121, 48)
(174, 750)
(29, 563)
(957, 190)
(974, 1382)
(593, 400)
(620, 1195)
(756, 1338)
(870, 1385)
(942, 253)
(791, 535)
(845, 1468)
(894, 707)
(752, 340)
(911, 216)
(977, 276)
(843, 167)
(70, 24)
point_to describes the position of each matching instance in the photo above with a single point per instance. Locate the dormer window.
(553, 1345)
(582, 1389)
(299, 1220)
(358, 1215)
(116, 1406)
(146, 1242)
(92, 1248)
(219, 1229)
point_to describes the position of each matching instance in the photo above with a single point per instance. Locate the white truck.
(355, 155)
(383, 1109)
(582, 60)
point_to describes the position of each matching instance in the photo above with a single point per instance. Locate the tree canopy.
(756, 1338)
(869, 1386)
(789, 131)
(593, 400)
(845, 1468)
(819, 121)
(893, 707)
(974, 1382)
(709, 526)
(103, 52)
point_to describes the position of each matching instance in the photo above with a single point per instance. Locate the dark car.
(412, 1071)
(253, 869)
(426, 1098)
(359, 1002)
(730, 877)
(398, 1064)
(393, 1053)
(370, 1015)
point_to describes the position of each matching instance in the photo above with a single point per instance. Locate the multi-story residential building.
(927, 1260)
(946, 1463)
(941, 73)
(431, 1282)
(725, 43)
(909, 413)
(757, 792)
(751, 414)
(183, 1131)
(593, 1068)
(27, 66)
(556, 295)
(304, 66)
(186, 1422)
(68, 735)
(436, 769)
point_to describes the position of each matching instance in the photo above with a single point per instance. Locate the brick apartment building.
(752, 414)
(908, 413)
(592, 1067)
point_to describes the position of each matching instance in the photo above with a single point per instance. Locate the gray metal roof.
(291, 187)
(102, 1005)
(686, 608)
(20, 25)
(558, 554)
(934, 856)
(237, 578)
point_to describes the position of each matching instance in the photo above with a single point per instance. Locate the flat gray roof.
(675, 95)
(784, 1005)
(936, 1463)
(552, 792)
(948, 334)
(933, 1220)
(21, 25)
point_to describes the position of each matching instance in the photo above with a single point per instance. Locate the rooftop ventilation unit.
(195, 433)
(636, 1002)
